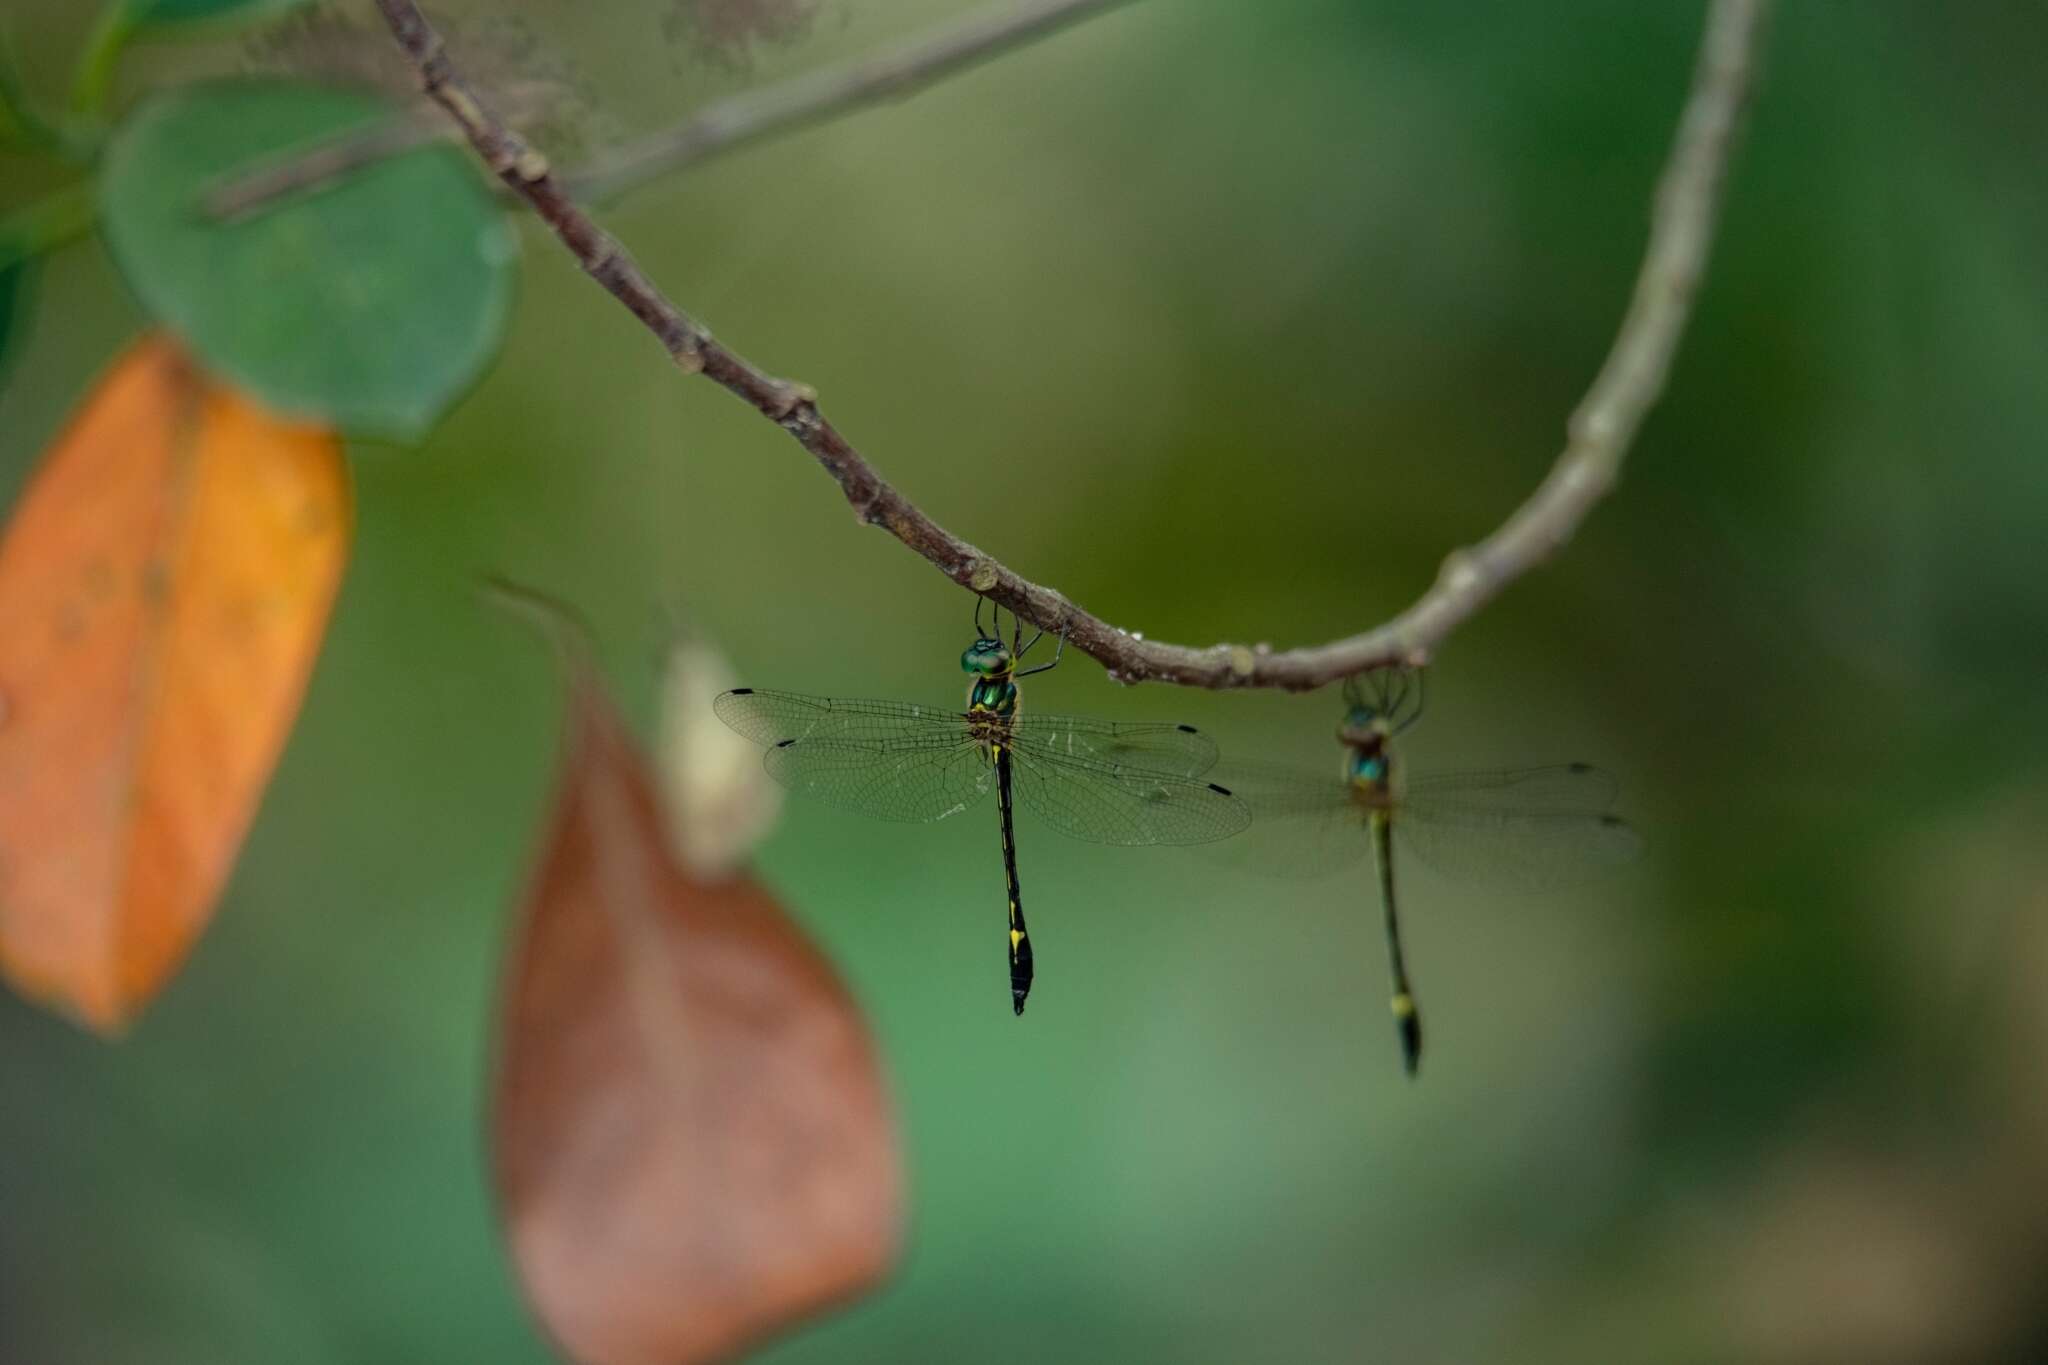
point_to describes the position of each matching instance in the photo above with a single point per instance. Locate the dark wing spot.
(1187, 729)
(741, 692)
(784, 743)
(1579, 767)
(1612, 821)
(1214, 788)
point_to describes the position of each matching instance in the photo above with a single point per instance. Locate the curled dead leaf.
(721, 801)
(693, 1143)
(165, 582)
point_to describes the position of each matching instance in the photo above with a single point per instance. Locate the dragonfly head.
(986, 658)
(1363, 727)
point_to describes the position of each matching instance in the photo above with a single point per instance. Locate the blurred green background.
(1228, 320)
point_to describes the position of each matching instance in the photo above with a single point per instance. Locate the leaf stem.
(94, 76)
(58, 217)
(559, 623)
(24, 126)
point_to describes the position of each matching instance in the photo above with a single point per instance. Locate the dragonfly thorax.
(1369, 769)
(996, 695)
(994, 687)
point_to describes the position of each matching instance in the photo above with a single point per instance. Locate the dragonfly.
(1531, 828)
(1103, 781)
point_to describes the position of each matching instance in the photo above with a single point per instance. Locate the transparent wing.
(890, 760)
(1531, 827)
(1304, 825)
(1110, 803)
(1177, 750)
(1557, 788)
(769, 718)
(915, 785)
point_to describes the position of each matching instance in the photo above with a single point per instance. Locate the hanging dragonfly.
(1526, 827)
(1108, 782)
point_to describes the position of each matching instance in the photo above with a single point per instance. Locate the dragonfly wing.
(1110, 803)
(1177, 750)
(1304, 825)
(915, 785)
(891, 760)
(769, 718)
(1556, 788)
(1534, 827)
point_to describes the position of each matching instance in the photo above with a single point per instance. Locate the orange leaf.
(164, 584)
(693, 1143)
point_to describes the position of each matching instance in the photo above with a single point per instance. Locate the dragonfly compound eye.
(986, 657)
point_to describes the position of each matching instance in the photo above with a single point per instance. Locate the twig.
(818, 95)
(1681, 230)
(736, 121)
(1603, 426)
(320, 164)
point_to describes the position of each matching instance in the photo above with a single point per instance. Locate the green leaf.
(370, 303)
(141, 12)
(17, 293)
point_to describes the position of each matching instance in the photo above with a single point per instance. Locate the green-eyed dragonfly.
(1531, 828)
(1108, 782)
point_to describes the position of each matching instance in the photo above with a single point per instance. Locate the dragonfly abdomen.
(1020, 937)
(1407, 1017)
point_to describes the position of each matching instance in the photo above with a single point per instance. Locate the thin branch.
(1601, 429)
(320, 164)
(826, 93)
(720, 126)
(1683, 218)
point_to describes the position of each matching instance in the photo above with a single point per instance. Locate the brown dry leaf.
(693, 1143)
(165, 582)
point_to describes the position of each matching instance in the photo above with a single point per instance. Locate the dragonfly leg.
(1421, 695)
(1056, 654)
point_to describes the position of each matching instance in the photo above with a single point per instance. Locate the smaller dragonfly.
(1108, 782)
(1531, 828)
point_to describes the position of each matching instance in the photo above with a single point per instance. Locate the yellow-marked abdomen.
(1020, 938)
